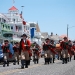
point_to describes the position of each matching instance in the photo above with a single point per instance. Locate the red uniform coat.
(25, 48)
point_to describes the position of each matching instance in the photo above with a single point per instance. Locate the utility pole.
(67, 31)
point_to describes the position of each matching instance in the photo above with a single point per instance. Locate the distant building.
(35, 32)
(44, 35)
(4, 27)
(55, 37)
(62, 36)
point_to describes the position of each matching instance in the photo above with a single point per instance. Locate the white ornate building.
(17, 23)
(18, 26)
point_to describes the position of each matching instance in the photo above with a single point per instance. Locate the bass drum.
(58, 47)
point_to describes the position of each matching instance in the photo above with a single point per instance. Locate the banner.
(32, 32)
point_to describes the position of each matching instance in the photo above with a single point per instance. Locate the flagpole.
(22, 9)
(13, 2)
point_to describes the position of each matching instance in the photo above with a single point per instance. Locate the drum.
(58, 47)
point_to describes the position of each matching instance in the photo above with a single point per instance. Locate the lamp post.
(68, 28)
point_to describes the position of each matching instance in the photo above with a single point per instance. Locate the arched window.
(0, 19)
(11, 27)
(3, 26)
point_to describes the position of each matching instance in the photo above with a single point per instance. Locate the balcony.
(17, 22)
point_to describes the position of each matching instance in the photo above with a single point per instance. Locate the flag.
(24, 23)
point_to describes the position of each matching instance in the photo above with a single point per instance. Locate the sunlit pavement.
(56, 68)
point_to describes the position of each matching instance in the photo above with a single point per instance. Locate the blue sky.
(52, 15)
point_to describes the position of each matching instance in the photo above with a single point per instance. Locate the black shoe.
(26, 66)
(62, 63)
(74, 57)
(3, 65)
(70, 58)
(14, 63)
(37, 61)
(7, 64)
(53, 60)
(28, 62)
(18, 63)
(22, 67)
(66, 60)
(63, 60)
(34, 61)
(50, 60)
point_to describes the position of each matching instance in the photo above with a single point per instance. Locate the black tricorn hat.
(23, 35)
(47, 39)
(65, 38)
(16, 42)
(69, 41)
(52, 40)
(34, 43)
(6, 41)
(73, 41)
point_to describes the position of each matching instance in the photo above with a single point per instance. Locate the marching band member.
(25, 51)
(48, 53)
(16, 53)
(73, 47)
(36, 53)
(69, 50)
(52, 48)
(64, 46)
(7, 52)
(59, 49)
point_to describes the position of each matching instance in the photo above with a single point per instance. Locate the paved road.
(40, 69)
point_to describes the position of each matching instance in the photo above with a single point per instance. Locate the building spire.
(37, 22)
(13, 2)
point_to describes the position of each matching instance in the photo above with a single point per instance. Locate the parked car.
(1, 56)
(11, 59)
